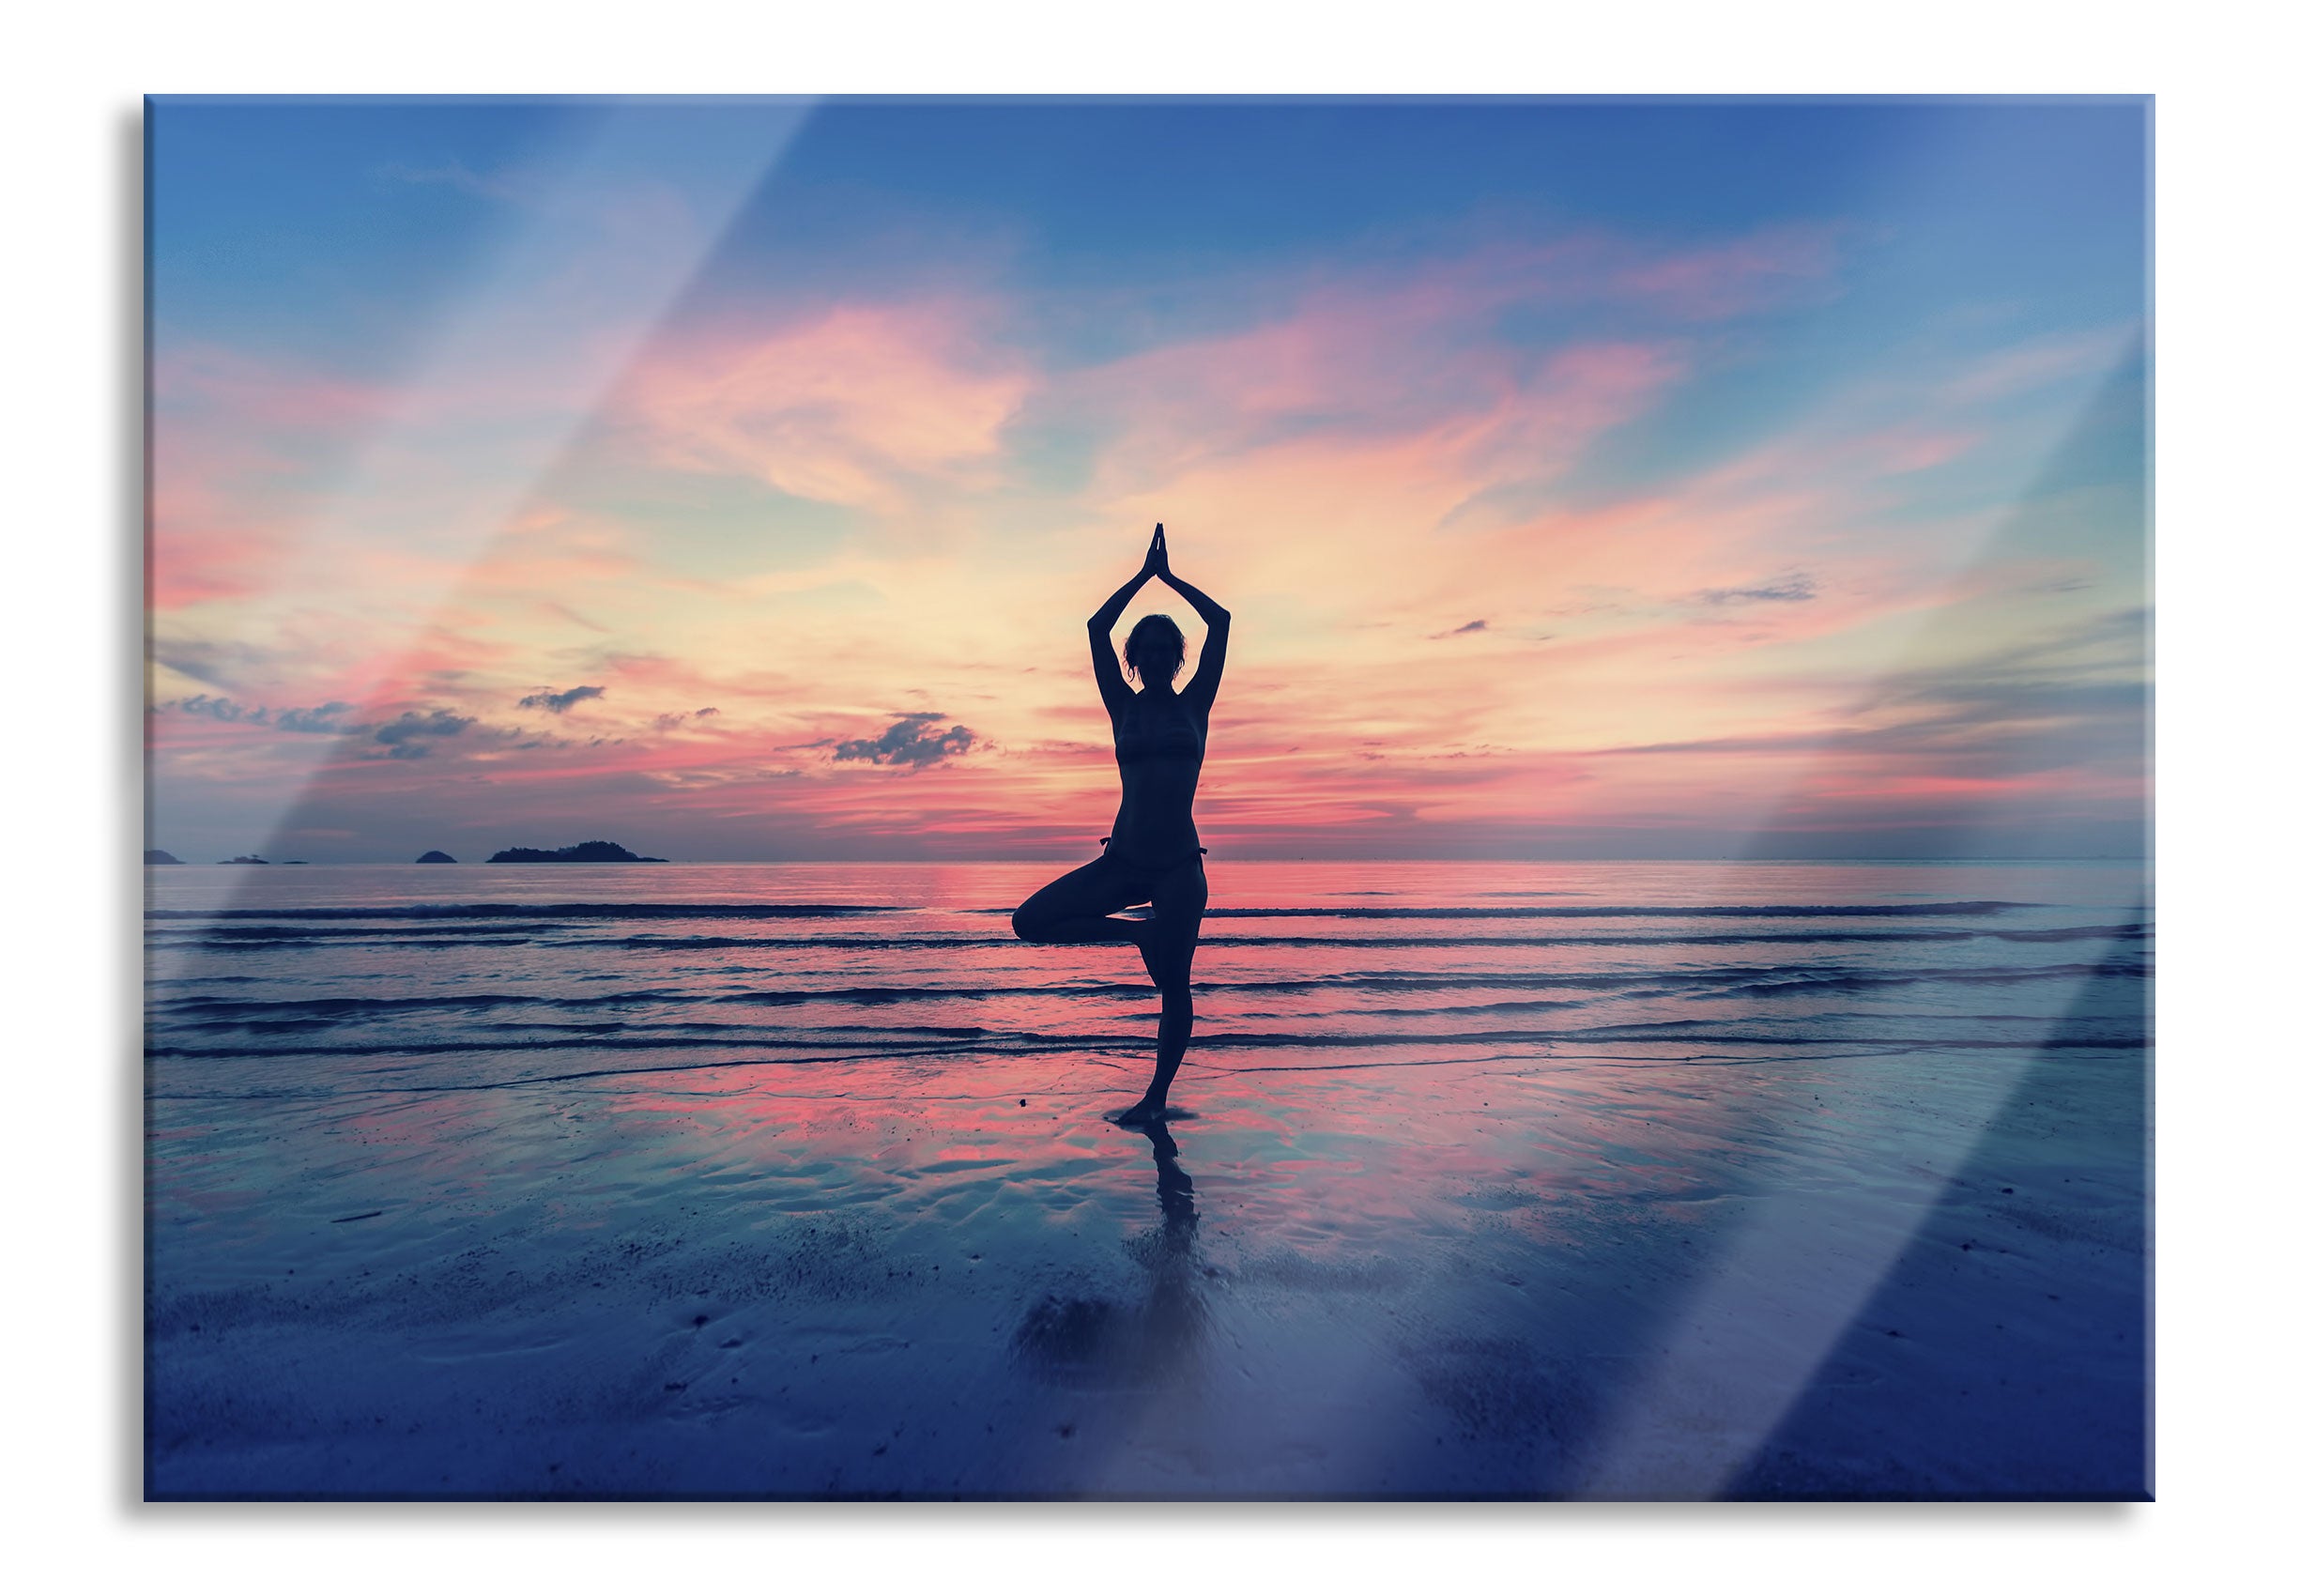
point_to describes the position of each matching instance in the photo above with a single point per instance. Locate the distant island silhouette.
(436, 857)
(244, 859)
(160, 856)
(581, 854)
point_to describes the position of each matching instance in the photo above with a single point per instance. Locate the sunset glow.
(733, 480)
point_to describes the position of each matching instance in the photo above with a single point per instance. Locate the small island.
(244, 859)
(436, 857)
(160, 856)
(580, 853)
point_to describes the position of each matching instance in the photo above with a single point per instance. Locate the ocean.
(1592, 1179)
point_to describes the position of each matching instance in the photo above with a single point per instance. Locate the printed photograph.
(1187, 799)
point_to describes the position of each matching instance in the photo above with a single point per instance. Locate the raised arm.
(1107, 676)
(1207, 680)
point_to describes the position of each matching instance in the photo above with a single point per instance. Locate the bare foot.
(1148, 1112)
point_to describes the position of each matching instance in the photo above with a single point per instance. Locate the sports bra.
(1177, 739)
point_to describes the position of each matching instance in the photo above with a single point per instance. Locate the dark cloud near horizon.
(559, 703)
(915, 741)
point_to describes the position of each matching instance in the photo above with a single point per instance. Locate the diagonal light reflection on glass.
(1746, 1345)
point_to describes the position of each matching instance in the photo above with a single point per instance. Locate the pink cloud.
(848, 407)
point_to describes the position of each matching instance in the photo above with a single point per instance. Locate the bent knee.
(1028, 924)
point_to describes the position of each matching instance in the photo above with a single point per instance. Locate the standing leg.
(1180, 901)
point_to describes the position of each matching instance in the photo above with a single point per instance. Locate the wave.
(200, 1010)
(257, 943)
(2078, 933)
(539, 912)
(1857, 980)
(1721, 939)
(556, 912)
(253, 938)
(174, 935)
(197, 1011)
(1638, 982)
(1623, 911)
(982, 1039)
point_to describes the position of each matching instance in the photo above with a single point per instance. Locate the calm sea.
(306, 979)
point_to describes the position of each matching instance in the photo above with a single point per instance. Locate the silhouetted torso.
(1160, 746)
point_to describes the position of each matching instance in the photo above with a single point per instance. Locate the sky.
(733, 479)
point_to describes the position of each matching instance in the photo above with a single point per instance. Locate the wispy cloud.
(322, 719)
(217, 708)
(559, 703)
(406, 735)
(453, 174)
(325, 719)
(1794, 588)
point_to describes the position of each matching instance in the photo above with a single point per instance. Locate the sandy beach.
(793, 1181)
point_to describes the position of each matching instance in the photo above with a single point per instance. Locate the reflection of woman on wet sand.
(1151, 854)
(1151, 1346)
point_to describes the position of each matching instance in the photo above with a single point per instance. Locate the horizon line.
(1306, 859)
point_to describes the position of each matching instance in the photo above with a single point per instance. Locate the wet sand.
(1548, 1278)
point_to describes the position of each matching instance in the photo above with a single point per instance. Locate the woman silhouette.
(1151, 854)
